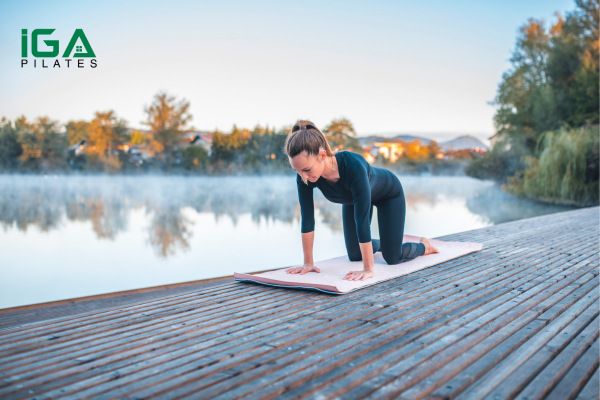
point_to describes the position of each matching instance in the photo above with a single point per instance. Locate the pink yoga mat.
(330, 279)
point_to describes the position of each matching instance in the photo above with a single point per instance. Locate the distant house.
(396, 147)
(78, 148)
(370, 153)
(391, 150)
(199, 138)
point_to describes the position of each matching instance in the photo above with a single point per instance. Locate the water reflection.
(47, 202)
(69, 236)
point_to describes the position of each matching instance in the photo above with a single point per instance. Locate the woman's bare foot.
(429, 249)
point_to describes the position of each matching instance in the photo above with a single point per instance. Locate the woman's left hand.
(359, 275)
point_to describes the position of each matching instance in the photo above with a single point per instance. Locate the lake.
(70, 236)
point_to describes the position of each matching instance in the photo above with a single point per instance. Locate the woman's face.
(310, 168)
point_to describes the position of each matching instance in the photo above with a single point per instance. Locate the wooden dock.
(517, 320)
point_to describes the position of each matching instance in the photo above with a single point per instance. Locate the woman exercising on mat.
(347, 178)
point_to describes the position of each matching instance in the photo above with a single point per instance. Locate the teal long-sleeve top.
(360, 185)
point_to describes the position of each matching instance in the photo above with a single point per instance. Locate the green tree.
(264, 150)
(227, 150)
(195, 158)
(10, 149)
(553, 83)
(573, 64)
(525, 100)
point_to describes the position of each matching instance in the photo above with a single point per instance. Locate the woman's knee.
(391, 258)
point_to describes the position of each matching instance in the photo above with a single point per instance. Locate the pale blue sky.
(390, 66)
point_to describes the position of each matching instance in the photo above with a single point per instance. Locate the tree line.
(106, 144)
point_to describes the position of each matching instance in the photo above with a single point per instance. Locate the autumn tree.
(168, 119)
(227, 148)
(42, 142)
(106, 132)
(340, 134)
(77, 131)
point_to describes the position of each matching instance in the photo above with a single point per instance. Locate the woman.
(347, 178)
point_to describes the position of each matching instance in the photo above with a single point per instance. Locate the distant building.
(199, 138)
(391, 151)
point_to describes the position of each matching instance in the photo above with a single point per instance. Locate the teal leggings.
(391, 215)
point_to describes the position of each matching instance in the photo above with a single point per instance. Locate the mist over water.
(69, 236)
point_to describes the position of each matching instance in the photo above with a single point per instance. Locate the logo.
(45, 51)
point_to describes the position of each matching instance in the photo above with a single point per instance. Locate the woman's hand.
(359, 275)
(303, 270)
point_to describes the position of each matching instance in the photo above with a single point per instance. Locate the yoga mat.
(331, 278)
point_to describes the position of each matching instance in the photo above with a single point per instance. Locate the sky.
(421, 67)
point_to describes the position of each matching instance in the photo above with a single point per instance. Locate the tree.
(106, 133)
(553, 81)
(525, 100)
(195, 158)
(228, 148)
(553, 84)
(168, 120)
(340, 134)
(573, 64)
(434, 148)
(43, 145)
(10, 149)
(77, 131)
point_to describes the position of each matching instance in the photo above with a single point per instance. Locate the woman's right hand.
(303, 269)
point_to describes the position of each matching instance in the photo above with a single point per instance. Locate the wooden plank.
(94, 317)
(591, 390)
(574, 380)
(423, 373)
(398, 366)
(37, 376)
(271, 377)
(567, 373)
(495, 376)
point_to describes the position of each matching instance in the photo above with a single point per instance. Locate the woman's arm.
(308, 240)
(307, 247)
(366, 250)
(361, 194)
(307, 225)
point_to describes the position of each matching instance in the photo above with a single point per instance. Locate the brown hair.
(305, 136)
